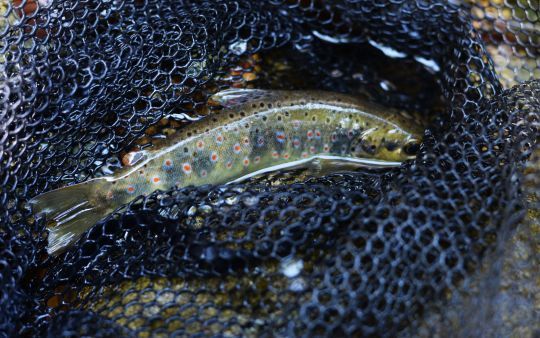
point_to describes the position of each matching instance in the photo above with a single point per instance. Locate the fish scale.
(256, 131)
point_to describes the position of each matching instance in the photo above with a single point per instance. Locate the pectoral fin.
(324, 164)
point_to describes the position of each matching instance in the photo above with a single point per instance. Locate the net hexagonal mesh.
(361, 253)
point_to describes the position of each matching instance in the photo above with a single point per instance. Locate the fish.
(255, 132)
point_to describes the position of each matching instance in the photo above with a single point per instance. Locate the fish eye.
(411, 148)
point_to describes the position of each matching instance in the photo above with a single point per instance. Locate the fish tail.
(70, 211)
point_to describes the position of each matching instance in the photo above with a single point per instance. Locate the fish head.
(387, 144)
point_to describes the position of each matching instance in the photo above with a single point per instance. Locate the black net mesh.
(362, 253)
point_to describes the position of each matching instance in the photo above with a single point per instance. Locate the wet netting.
(365, 253)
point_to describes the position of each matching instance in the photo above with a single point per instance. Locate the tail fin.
(70, 211)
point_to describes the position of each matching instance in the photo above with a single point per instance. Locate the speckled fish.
(256, 131)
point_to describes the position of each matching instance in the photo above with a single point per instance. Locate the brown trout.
(256, 131)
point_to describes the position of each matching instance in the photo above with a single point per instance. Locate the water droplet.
(251, 201)
(298, 285)
(231, 200)
(336, 73)
(206, 209)
(291, 267)
(387, 85)
(195, 68)
(238, 47)
(192, 211)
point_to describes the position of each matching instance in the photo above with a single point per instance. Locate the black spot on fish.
(391, 145)
(368, 147)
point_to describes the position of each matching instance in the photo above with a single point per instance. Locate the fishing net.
(359, 253)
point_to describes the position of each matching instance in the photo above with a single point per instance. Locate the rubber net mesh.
(361, 253)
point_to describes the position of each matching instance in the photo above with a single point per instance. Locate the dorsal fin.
(230, 98)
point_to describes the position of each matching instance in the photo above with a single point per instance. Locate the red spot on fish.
(156, 179)
(167, 164)
(257, 159)
(333, 137)
(296, 142)
(109, 195)
(304, 154)
(186, 167)
(286, 156)
(310, 134)
(200, 145)
(204, 173)
(317, 134)
(280, 136)
(214, 157)
(131, 189)
(312, 150)
(275, 154)
(229, 165)
(219, 138)
(326, 148)
(245, 140)
(246, 161)
(237, 148)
